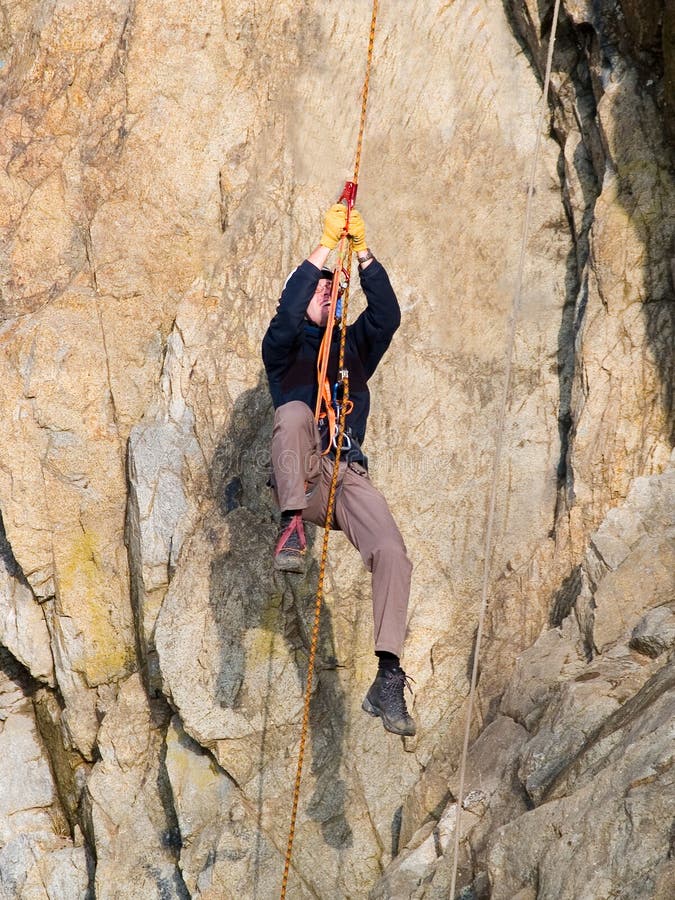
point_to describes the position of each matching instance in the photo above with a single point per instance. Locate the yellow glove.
(357, 231)
(333, 225)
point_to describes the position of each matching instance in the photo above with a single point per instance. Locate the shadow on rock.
(254, 607)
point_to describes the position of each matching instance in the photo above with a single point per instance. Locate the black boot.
(385, 699)
(291, 546)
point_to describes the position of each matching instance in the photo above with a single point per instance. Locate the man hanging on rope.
(301, 466)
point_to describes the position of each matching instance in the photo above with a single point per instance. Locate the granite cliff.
(164, 166)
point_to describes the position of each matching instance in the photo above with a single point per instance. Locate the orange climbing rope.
(343, 268)
(325, 408)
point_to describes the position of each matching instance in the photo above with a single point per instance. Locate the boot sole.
(368, 707)
(293, 564)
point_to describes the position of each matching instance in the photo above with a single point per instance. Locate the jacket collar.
(314, 334)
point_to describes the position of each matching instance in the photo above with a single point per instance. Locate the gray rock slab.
(645, 579)
(23, 628)
(654, 634)
(128, 800)
(224, 850)
(556, 656)
(609, 837)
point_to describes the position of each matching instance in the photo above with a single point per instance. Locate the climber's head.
(317, 310)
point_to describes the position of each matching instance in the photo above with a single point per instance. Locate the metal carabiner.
(346, 440)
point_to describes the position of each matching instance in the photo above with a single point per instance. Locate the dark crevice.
(7, 559)
(172, 837)
(146, 657)
(64, 762)
(15, 670)
(660, 327)
(574, 111)
(618, 45)
(396, 831)
(565, 597)
(64, 809)
(86, 823)
(48, 705)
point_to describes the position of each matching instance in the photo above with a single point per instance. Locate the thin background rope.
(487, 558)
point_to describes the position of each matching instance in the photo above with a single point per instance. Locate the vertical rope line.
(345, 249)
(487, 556)
(364, 93)
(344, 256)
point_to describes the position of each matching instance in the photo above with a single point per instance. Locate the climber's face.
(319, 305)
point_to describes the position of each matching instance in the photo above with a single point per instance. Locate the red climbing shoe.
(386, 699)
(289, 553)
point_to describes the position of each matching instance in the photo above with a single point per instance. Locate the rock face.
(164, 168)
(569, 789)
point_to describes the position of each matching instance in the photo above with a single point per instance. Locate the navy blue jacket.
(291, 344)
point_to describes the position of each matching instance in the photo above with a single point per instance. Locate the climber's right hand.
(357, 231)
(333, 225)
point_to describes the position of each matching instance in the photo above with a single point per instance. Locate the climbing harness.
(498, 450)
(337, 429)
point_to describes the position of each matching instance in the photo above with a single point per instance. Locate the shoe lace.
(292, 536)
(393, 689)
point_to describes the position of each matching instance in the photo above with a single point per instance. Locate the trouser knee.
(292, 415)
(294, 453)
(392, 552)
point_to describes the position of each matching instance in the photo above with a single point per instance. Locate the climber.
(301, 475)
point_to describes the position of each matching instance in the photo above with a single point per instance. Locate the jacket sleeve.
(375, 327)
(285, 330)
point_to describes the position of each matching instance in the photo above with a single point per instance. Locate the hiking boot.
(385, 699)
(289, 553)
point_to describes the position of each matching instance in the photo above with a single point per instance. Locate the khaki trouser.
(302, 481)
